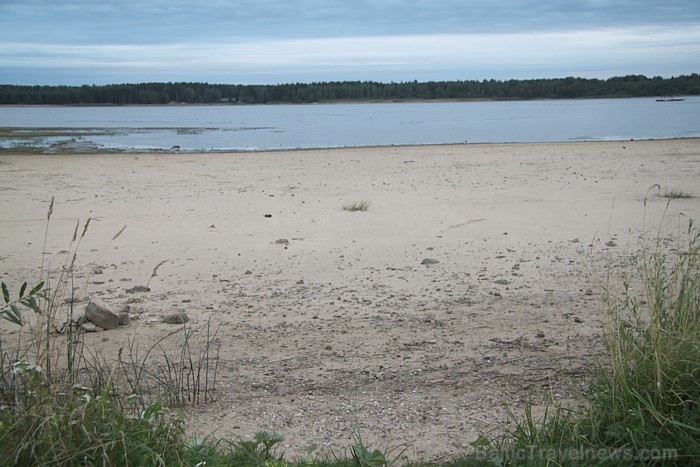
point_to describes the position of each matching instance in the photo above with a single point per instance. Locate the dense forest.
(203, 93)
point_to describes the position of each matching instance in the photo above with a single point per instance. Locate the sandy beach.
(472, 281)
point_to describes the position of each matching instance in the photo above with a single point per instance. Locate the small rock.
(281, 241)
(611, 243)
(501, 282)
(577, 319)
(429, 261)
(540, 334)
(589, 292)
(71, 324)
(138, 289)
(268, 215)
(90, 327)
(516, 266)
(248, 272)
(101, 316)
(124, 319)
(177, 317)
(300, 282)
(79, 320)
(98, 271)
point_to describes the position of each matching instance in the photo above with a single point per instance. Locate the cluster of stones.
(98, 317)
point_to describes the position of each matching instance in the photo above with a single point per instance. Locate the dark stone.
(177, 317)
(101, 316)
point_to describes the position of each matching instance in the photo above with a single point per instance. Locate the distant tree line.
(204, 93)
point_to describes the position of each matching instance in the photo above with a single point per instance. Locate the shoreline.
(37, 151)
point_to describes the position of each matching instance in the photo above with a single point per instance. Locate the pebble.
(177, 317)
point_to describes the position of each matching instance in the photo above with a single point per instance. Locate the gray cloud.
(273, 40)
(154, 21)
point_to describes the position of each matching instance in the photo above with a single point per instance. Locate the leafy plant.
(260, 451)
(10, 309)
(363, 457)
(366, 458)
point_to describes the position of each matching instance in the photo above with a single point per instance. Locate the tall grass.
(643, 407)
(63, 402)
(648, 397)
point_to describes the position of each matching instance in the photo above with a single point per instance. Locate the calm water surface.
(259, 127)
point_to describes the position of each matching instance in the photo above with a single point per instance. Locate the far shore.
(332, 102)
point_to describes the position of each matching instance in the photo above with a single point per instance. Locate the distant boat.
(669, 99)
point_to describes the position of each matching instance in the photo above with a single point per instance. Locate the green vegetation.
(676, 194)
(205, 93)
(11, 309)
(356, 205)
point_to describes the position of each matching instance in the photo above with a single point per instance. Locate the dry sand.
(342, 330)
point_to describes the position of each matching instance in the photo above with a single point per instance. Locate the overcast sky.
(77, 42)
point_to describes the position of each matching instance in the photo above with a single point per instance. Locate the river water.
(263, 127)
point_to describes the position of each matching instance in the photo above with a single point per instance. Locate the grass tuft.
(676, 194)
(353, 206)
